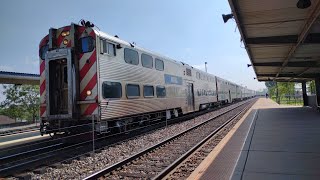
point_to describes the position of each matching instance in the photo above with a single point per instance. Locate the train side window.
(107, 48)
(87, 44)
(111, 90)
(159, 64)
(133, 90)
(146, 60)
(131, 56)
(161, 91)
(148, 91)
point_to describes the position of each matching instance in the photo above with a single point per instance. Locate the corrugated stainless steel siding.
(117, 70)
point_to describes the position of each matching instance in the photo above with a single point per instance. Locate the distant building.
(6, 120)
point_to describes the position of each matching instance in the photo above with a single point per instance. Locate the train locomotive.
(89, 76)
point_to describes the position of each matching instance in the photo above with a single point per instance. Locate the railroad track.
(158, 161)
(35, 157)
(188, 162)
(36, 160)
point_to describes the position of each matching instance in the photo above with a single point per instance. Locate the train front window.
(111, 90)
(87, 44)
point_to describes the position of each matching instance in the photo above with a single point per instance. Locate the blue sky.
(188, 31)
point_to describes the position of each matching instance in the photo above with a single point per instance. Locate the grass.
(289, 101)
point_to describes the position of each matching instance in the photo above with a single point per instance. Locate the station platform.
(269, 142)
(24, 127)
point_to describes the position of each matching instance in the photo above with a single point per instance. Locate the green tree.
(312, 87)
(22, 101)
(270, 84)
(280, 90)
(30, 99)
(11, 105)
(286, 89)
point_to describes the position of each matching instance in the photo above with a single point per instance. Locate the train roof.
(120, 41)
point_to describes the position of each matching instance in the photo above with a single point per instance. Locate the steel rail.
(115, 166)
(177, 162)
(54, 152)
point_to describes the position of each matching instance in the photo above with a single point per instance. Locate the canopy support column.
(304, 94)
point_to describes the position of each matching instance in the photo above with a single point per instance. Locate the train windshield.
(87, 44)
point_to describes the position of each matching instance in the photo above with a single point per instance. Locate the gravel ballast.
(79, 169)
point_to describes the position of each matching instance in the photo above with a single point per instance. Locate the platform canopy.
(282, 41)
(19, 78)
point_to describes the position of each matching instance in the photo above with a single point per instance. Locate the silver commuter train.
(87, 74)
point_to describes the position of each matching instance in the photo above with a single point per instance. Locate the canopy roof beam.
(291, 75)
(302, 36)
(288, 39)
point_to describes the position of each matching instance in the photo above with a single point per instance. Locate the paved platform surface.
(20, 127)
(270, 142)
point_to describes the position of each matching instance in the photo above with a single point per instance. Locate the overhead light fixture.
(226, 17)
(303, 4)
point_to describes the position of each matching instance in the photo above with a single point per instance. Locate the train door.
(230, 96)
(58, 80)
(60, 84)
(190, 97)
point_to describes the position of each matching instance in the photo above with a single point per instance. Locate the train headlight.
(65, 42)
(89, 92)
(65, 33)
